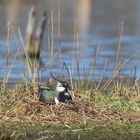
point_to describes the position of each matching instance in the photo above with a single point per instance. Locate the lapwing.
(60, 94)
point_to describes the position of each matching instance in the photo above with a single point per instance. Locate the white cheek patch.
(67, 94)
(60, 89)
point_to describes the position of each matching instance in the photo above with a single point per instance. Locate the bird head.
(62, 90)
(61, 85)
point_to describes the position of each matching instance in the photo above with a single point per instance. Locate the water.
(91, 26)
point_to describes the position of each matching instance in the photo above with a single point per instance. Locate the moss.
(109, 130)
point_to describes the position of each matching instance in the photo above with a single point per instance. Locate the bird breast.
(60, 89)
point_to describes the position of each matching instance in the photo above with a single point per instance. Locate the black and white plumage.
(60, 94)
(62, 91)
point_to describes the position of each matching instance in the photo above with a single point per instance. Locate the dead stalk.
(52, 43)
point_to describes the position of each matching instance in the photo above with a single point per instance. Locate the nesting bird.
(60, 94)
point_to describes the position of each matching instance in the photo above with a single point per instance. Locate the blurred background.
(88, 33)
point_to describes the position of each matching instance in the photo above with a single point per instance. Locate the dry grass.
(20, 104)
(21, 113)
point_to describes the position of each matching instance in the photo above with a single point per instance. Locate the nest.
(21, 104)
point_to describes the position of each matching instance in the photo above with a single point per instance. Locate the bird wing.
(46, 96)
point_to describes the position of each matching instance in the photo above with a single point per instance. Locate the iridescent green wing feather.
(46, 96)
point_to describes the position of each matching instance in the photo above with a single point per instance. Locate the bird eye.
(65, 84)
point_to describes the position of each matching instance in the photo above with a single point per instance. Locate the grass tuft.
(21, 112)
